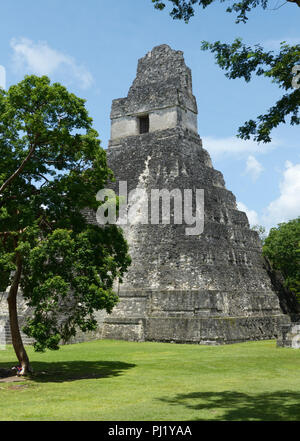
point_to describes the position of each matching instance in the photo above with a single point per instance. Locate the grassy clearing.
(123, 381)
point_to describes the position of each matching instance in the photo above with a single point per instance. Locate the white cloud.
(2, 77)
(287, 205)
(41, 59)
(251, 214)
(253, 167)
(233, 146)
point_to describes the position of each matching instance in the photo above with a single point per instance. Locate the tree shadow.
(58, 372)
(237, 406)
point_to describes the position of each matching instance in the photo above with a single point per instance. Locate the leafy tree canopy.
(282, 247)
(51, 168)
(242, 61)
(184, 9)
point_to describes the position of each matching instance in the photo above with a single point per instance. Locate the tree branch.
(19, 170)
(295, 1)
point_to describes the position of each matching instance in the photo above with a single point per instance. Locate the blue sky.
(92, 47)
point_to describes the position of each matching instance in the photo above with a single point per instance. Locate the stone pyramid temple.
(208, 288)
(205, 283)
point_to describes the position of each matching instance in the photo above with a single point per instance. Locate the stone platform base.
(207, 331)
(195, 316)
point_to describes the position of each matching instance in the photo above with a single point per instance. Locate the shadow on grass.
(236, 406)
(74, 370)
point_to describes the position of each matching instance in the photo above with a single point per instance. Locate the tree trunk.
(13, 318)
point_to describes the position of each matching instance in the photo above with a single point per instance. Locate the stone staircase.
(5, 335)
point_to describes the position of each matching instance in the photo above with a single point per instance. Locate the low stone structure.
(289, 336)
(24, 312)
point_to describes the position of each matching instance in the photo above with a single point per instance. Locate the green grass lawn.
(123, 381)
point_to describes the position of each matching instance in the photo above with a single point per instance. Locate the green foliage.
(184, 9)
(241, 61)
(51, 168)
(282, 247)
